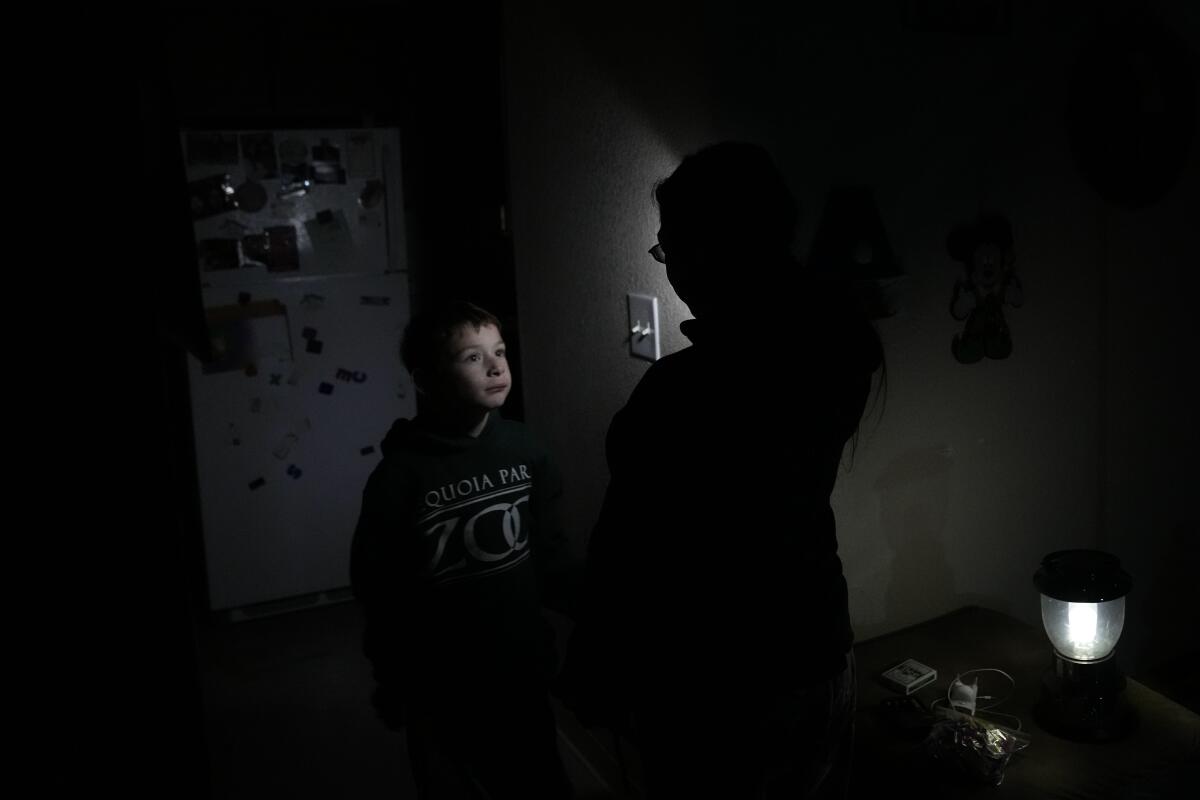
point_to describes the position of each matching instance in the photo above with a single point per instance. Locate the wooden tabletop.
(1160, 758)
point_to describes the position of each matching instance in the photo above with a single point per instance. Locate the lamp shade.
(1083, 602)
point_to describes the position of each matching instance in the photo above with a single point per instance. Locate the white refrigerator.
(301, 252)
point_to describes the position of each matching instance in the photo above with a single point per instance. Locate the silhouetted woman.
(715, 618)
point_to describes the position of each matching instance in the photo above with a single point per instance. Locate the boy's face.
(474, 371)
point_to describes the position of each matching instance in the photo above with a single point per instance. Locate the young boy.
(455, 550)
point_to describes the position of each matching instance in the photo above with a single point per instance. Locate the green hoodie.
(453, 556)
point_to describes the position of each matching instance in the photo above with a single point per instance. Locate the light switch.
(643, 326)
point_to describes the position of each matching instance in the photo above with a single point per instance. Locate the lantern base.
(1085, 701)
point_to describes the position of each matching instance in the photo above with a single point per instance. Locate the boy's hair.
(426, 334)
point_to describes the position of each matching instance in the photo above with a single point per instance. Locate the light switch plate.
(643, 326)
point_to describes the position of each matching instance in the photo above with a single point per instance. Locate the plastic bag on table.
(974, 746)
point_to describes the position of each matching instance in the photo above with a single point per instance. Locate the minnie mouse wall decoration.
(985, 249)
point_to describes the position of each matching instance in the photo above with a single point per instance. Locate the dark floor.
(287, 715)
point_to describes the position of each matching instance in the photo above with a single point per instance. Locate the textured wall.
(968, 474)
(583, 159)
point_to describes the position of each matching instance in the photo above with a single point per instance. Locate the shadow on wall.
(1164, 621)
(914, 495)
(643, 48)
